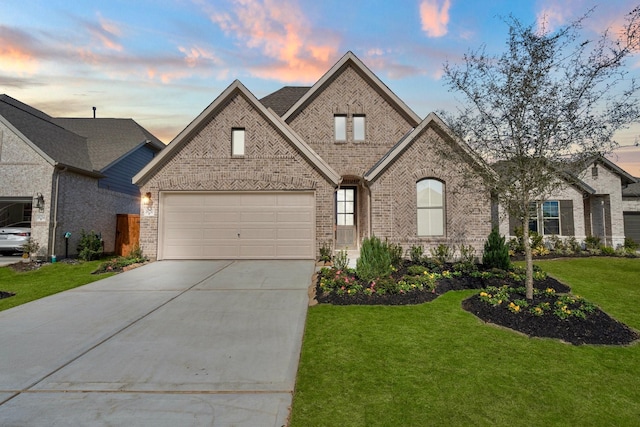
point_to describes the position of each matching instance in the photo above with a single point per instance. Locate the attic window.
(594, 172)
(237, 142)
(340, 126)
(358, 128)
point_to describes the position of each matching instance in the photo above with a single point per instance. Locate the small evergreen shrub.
(496, 252)
(375, 260)
(90, 246)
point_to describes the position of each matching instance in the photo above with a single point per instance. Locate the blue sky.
(162, 62)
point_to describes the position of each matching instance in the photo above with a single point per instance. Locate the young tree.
(543, 107)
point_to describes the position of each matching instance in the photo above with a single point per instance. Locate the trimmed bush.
(90, 246)
(496, 252)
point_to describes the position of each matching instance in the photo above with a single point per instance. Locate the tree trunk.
(528, 258)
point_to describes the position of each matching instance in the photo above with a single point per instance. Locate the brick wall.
(205, 163)
(467, 202)
(24, 173)
(349, 93)
(84, 206)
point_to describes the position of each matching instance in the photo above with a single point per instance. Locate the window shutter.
(566, 218)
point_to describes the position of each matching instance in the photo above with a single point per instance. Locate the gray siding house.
(77, 170)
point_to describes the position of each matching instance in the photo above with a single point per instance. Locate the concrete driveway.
(172, 343)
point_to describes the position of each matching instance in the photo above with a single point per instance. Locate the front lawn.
(47, 280)
(436, 364)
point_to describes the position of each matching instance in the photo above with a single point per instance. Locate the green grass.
(435, 364)
(47, 280)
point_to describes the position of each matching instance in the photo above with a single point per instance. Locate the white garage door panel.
(237, 225)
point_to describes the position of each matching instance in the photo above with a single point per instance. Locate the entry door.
(346, 218)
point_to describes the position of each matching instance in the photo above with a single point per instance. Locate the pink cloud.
(17, 51)
(435, 17)
(106, 32)
(281, 30)
(628, 158)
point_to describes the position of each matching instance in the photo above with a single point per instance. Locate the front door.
(346, 231)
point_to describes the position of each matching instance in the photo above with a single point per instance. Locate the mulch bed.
(597, 328)
(4, 294)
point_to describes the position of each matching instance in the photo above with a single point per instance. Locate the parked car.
(13, 236)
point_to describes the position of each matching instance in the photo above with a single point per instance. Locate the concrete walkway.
(172, 343)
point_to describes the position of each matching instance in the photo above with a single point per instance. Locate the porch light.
(40, 202)
(146, 199)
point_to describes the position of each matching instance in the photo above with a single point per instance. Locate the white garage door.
(237, 226)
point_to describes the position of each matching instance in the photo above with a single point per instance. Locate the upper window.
(237, 142)
(358, 128)
(544, 217)
(340, 126)
(430, 203)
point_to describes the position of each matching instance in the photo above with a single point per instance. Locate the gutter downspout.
(55, 210)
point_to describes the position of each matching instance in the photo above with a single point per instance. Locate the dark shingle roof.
(109, 139)
(283, 99)
(59, 144)
(632, 190)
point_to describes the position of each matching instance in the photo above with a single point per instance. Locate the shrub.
(375, 260)
(496, 252)
(442, 254)
(90, 246)
(341, 261)
(415, 254)
(395, 253)
(630, 245)
(468, 254)
(325, 253)
(573, 245)
(30, 247)
(607, 250)
(592, 243)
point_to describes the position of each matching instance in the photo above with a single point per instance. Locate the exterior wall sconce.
(40, 202)
(146, 199)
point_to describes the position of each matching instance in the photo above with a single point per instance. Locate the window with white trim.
(237, 142)
(544, 217)
(430, 207)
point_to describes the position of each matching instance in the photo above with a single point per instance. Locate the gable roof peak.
(350, 59)
(203, 118)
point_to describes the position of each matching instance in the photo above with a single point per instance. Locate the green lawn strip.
(47, 280)
(435, 364)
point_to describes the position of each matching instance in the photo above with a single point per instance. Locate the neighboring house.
(307, 167)
(68, 175)
(595, 203)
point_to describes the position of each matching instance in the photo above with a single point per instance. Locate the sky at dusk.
(162, 62)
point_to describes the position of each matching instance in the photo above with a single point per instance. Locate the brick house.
(599, 201)
(68, 174)
(307, 167)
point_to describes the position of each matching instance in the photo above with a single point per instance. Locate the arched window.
(430, 203)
